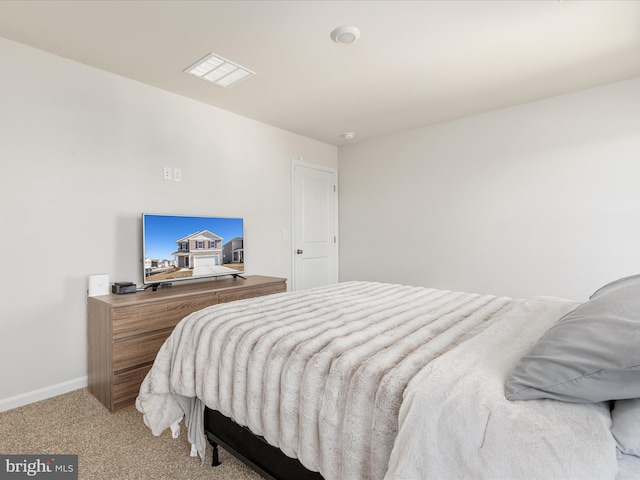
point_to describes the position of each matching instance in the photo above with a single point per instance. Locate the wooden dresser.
(126, 331)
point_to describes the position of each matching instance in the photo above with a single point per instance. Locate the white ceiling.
(417, 62)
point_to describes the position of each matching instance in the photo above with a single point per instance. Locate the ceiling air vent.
(219, 70)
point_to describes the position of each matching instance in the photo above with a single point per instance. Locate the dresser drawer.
(127, 385)
(135, 320)
(133, 352)
(250, 293)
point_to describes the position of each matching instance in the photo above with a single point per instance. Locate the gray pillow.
(591, 355)
(626, 425)
(626, 282)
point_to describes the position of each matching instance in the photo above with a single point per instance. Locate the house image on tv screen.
(202, 253)
(233, 251)
(199, 249)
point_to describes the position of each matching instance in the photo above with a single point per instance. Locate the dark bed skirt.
(265, 459)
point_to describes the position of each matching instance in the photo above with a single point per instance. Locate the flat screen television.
(181, 247)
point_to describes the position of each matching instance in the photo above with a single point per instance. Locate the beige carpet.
(108, 445)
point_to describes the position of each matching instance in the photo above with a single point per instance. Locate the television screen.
(180, 247)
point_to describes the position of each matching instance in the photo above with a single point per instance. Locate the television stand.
(125, 332)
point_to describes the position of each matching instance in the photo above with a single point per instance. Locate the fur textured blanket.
(322, 373)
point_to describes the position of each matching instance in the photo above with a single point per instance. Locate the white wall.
(538, 199)
(82, 153)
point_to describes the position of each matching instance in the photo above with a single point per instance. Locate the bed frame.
(252, 450)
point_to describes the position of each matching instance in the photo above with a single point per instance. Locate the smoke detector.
(348, 135)
(345, 35)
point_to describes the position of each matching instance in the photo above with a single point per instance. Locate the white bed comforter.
(455, 422)
(322, 374)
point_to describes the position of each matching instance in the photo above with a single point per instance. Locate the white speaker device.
(98, 285)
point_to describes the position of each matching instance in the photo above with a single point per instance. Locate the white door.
(315, 226)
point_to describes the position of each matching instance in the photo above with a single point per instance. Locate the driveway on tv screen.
(213, 270)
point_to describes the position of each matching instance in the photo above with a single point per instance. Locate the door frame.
(299, 163)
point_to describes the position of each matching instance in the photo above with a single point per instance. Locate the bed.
(367, 380)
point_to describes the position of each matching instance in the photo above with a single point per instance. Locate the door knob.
(299, 252)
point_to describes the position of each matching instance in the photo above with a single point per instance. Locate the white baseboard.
(42, 393)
